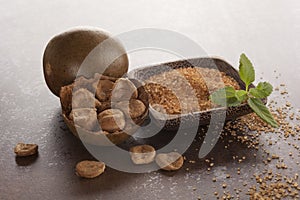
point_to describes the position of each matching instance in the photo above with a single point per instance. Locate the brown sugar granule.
(186, 90)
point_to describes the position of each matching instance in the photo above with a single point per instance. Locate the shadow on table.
(28, 160)
(62, 140)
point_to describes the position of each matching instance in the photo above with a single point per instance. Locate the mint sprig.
(228, 96)
(262, 111)
(246, 71)
(225, 97)
(262, 90)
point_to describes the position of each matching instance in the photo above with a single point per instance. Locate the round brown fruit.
(169, 161)
(66, 52)
(90, 169)
(112, 120)
(142, 154)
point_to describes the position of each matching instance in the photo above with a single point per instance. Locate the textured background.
(267, 31)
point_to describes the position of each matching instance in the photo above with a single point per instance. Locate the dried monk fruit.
(85, 117)
(142, 154)
(134, 108)
(89, 169)
(103, 89)
(104, 106)
(112, 120)
(169, 161)
(82, 98)
(124, 90)
(22, 149)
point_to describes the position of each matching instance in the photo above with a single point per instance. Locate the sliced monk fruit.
(90, 169)
(169, 161)
(142, 154)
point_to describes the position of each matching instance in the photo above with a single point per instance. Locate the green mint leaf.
(241, 95)
(246, 71)
(225, 97)
(233, 102)
(262, 111)
(262, 90)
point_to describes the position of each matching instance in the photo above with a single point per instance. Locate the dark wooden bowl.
(195, 118)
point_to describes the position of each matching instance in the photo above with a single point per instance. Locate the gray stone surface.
(267, 31)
